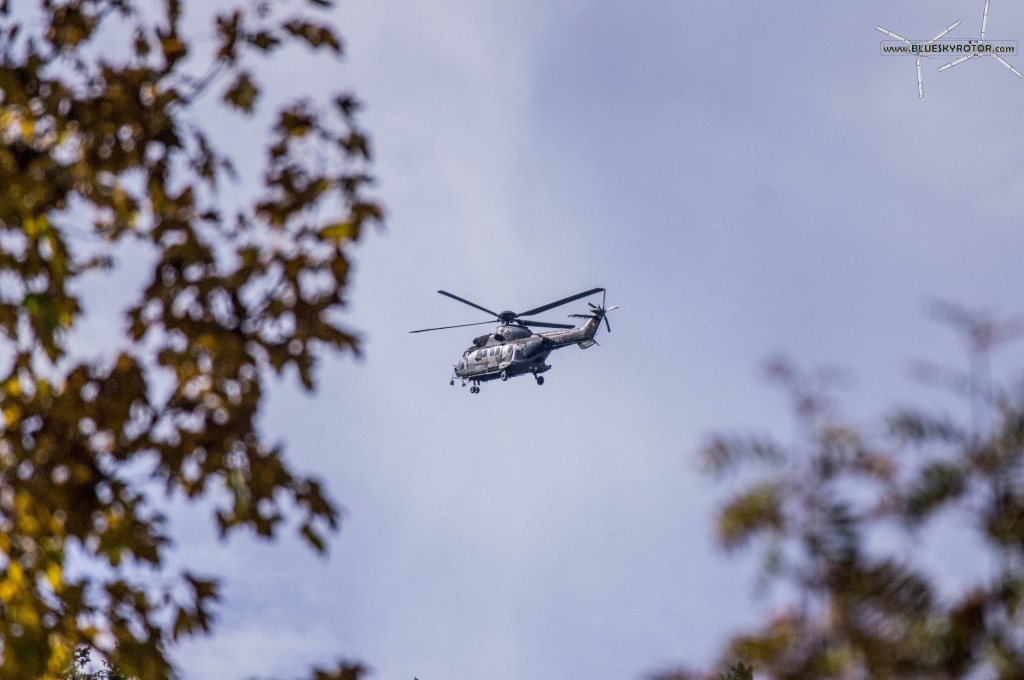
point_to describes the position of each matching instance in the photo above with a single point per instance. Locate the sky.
(745, 179)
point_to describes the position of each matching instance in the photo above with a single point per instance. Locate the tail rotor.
(598, 312)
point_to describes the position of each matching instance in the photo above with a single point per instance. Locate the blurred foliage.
(81, 671)
(104, 151)
(839, 515)
(737, 671)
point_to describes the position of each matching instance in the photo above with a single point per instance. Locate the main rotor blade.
(467, 302)
(563, 301)
(890, 33)
(948, 29)
(984, 21)
(920, 82)
(955, 62)
(461, 325)
(543, 324)
(1007, 65)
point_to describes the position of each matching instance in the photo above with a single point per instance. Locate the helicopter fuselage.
(513, 350)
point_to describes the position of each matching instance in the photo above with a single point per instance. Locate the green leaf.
(314, 34)
(939, 483)
(340, 231)
(242, 93)
(738, 671)
(757, 510)
(264, 40)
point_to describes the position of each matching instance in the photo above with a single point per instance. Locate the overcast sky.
(744, 179)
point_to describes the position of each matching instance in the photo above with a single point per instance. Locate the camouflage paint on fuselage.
(513, 350)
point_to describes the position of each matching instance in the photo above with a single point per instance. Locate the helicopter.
(513, 349)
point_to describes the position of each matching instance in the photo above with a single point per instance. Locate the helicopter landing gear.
(475, 389)
(452, 381)
(540, 379)
(504, 375)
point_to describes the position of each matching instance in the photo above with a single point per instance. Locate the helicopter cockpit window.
(480, 354)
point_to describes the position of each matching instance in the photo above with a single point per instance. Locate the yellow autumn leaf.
(11, 414)
(15, 574)
(33, 226)
(54, 576)
(28, 127)
(61, 656)
(12, 386)
(339, 231)
(7, 590)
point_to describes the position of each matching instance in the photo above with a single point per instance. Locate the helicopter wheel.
(475, 389)
(540, 380)
(504, 375)
(452, 381)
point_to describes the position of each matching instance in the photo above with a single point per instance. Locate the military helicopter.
(513, 349)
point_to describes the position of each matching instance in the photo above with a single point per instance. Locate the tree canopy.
(840, 516)
(107, 149)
